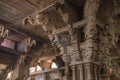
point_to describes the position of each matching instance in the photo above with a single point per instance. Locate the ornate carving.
(63, 12)
(54, 76)
(3, 32)
(71, 32)
(28, 43)
(90, 30)
(36, 19)
(62, 40)
(66, 58)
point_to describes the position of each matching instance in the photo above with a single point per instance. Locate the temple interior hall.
(59, 39)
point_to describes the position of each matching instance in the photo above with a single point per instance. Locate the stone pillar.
(91, 71)
(16, 71)
(66, 71)
(89, 75)
(90, 53)
(98, 70)
(73, 72)
(21, 70)
(43, 75)
(60, 75)
(66, 59)
(3, 74)
(81, 74)
(95, 72)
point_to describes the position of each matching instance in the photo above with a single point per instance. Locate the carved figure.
(28, 43)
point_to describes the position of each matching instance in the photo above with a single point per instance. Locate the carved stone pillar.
(95, 72)
(16, 71)
(73, 72)
(90, 50)
(91, 71)
(62, 41)
(66, 76)
(98, 71)
(81, 74)
(66, 59)
(60, 75)
(3, 74)
(89, 75)
(21, 70)
(44, 76)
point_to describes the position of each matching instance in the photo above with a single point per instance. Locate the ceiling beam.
(21, 31)
(32, 4)
(10, 51)
(77, 25)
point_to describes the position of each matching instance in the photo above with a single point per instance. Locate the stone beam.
(76, 25)
(11, 51)
(21, 31)
(44, 9)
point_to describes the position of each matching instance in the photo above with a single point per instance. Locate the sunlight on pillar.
(9, 75)
(32, 69)
(38, 68)
(53, 65)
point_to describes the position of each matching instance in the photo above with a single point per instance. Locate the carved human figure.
(28, 43)
(3, 33)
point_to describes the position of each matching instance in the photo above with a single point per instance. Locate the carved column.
(60, 75)
(43, 75)
(73, 72)
(66, 59)
(89, 75)
(81, 74)
(90, 53)
(21, 70)
(3, 74)
(96, 72)
(16, 71)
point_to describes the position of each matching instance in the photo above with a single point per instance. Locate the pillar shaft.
(74, 72)
(89, 75)
(81, 74)
(96, 73)
(91, 49)
(66, 71)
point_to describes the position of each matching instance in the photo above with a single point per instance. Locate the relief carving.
(90, 30)
(3, 32)
(28, 43)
